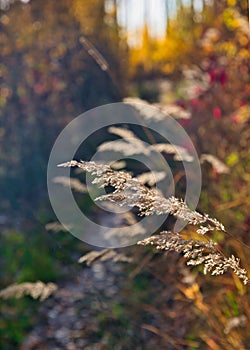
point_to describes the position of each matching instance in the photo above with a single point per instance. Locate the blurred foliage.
(47, 77)
(184, 43)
